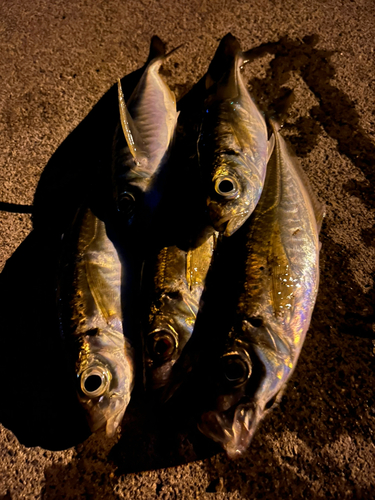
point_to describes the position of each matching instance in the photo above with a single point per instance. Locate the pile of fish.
(120, 295)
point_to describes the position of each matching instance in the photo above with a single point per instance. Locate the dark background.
(57, 60)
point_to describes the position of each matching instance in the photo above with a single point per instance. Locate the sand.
(57, 60)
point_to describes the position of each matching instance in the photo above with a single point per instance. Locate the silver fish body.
(233, 146)
(275, 305)
(91, 321)
(178, 283)
(144, 135)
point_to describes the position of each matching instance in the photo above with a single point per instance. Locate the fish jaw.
(229, 224)
(233, 432)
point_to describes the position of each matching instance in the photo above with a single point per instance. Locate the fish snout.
(245, 421)
(232, 429)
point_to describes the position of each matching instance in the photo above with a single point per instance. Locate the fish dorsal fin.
(132, 136)
(270, 147)
(318, 208)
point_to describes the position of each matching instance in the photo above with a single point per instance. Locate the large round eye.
(161, 345)
(236, 368)
(226, 186)
(95, 381)
(126, 203)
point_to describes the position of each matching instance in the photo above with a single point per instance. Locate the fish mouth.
(229, 224)
(232, 430)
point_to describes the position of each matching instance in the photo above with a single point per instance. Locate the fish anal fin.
(131, 134)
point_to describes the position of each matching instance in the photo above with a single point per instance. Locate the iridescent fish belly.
(233, 148)
(91, 323)
(178, 283)
(275, 304)
(143, 137)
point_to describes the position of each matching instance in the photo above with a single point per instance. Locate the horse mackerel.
(275, 305)
(233, 149)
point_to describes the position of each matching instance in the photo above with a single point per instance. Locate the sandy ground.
(57, 60)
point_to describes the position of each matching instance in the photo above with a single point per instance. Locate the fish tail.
(224, 59)
(157, 49)
(257, 52)
(173, 51)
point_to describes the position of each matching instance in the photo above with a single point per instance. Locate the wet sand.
(57, 61)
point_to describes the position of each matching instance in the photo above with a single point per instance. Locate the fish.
(90, 316)
(143, 137)
(275, 304)
(233, 146)
(178, 280)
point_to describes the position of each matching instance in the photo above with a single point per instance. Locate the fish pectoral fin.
(131, 134)
(270, 146)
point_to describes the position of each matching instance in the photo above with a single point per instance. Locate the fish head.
(234, 192)
(230, 379)
(253, 373)
(105, 381)
(169, 332)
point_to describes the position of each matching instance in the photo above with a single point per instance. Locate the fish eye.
(162, 345)
(226, 186)
(94, 381)
(257, 322)
(126, 203)
(236, 368)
